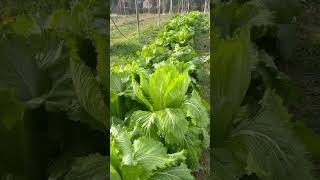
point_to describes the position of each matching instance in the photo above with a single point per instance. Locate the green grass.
(122, 49)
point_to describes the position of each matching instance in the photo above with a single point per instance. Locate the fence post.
(170, 10)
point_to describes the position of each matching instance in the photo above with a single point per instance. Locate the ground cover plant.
(54, 117)
(159, 119)
(253, 135)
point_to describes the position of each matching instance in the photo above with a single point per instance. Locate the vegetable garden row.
(253, 135)
(159, 119)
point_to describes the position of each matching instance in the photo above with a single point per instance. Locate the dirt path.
(202, 46)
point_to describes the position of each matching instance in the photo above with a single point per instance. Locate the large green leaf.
(230, 18)
(172, 125)
(39, 72)
(22, 25)
(274, 79)
(308, 137)
(146, 120)
(225, 165)
(176, 91)
(140, 95)
(174, 173)
(114, 175)
(91, 167)
(131, 171)
(167, 87)
(284, 10)
(231, 75)
(142, 158)
(268, 135)
(123, 144)
(150, 154)
(18, 70)
(77, 20)
(61, 95)
(122, 154)
(49, 49)
(116, 85)
(100, 43)
(88, 90)
(115, 105)
(193, 145)
(196, 109)
(11, 110)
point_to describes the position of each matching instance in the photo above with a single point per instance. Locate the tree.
(206, 6)
(122, 7)
(170, 10)
(164, 6)
(159, 5)
(137, 18)
(149, 6)
(181, 6)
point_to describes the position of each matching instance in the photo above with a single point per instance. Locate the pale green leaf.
(139, 94)
(124, 144)
(195, 109)
(167, 87)
(129, 172)
(150, 154)
(144, 119)
(176, 91)
(114, 175)
(173, 173)
(172, 125)
(88, 90)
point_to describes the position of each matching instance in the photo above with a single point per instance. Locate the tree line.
(126, 7)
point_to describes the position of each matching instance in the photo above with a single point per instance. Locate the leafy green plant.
(246, 140)
(178, 35)
(168, 108)
(253, 135)
(45, 81)
(156, 104)
(229, 19)
(144, 158)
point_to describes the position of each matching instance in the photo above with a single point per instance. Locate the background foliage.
(54, 88)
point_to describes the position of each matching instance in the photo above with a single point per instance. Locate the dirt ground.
(202, 46)
(304, 68)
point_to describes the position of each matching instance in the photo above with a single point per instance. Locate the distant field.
(123, 49)
(127, 25)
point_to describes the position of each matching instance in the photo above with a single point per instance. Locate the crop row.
(159, 120)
